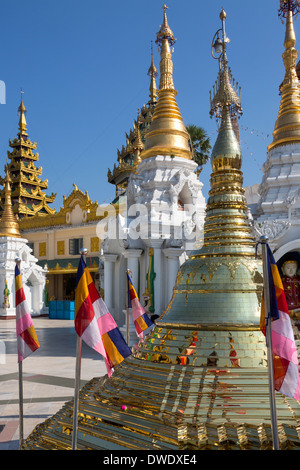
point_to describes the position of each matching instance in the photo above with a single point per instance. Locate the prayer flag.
(141, 320)
(27, 341)
(285, 359)
(93, 322)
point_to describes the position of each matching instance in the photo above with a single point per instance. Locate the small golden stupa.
(200, 379)
(9, 226)
(167, 132)
(287, 126)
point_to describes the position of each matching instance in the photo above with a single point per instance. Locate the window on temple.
(75, 244)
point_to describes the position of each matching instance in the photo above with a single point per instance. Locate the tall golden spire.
(22, 121)
(152, 72)
(287, 127)
(130, 155)
(167, 134)
(9, 226)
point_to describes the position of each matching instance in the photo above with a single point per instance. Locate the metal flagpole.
(76, 392)
(21, 432)
(264, 244)
(127, 307)
(21, 413)
(83, 252)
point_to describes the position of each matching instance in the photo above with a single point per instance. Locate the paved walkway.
(48, 375)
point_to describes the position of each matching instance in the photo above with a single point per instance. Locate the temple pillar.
(132, 257)
(109, 270)
(128, 330)
(155, 244)
(173, 265)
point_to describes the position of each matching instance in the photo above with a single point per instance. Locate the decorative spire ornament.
(226, 92)
(288, 6)
(22, 122)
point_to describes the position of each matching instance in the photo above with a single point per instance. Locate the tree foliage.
(200, 144)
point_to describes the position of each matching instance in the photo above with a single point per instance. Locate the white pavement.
(48, 375)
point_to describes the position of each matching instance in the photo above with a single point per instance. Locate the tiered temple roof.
(130, 154)
(62, 216)
(27, 188)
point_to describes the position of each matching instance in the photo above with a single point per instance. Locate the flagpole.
(76, 392)
(21, 413)
(264, 244)
(21, 428)
(127, 307)
(83, 252)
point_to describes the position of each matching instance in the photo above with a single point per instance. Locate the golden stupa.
(287, 126)
(9, 226)
(167, 133)
(200, 379)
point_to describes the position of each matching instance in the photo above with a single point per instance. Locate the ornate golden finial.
(137, 144)
(167, 134)
(22, 122)
(225, 105)
(9, 226)
(165, 31)
(288, 5)
(152, 72)
(226, 91)
(287, 127)
(165, 38)
(223, 14)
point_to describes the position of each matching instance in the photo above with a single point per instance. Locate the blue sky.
(83, 69)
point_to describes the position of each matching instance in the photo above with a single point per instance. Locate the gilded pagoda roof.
(67, 265)
(27, 187)
(25, 142)
(29, 167)
(61, 217)
(129, 156)
(24, 152)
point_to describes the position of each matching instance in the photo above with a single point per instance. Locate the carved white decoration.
(271, 228)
